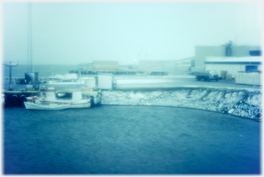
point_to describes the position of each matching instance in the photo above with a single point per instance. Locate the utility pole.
(29, 49)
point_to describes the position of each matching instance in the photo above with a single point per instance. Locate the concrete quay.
(224, 96)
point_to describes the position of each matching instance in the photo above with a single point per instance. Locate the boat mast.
(29, 51)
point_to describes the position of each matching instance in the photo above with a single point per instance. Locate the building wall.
(230, 68)
(153, 65)
(105, 65)
(157, 65)
(243, 51)
(163, 65)
(202, 52)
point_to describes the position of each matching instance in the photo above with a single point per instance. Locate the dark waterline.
(129, 140)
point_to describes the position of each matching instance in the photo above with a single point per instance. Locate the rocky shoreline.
(238, 102)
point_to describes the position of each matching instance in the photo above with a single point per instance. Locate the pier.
(17, 98)
(117, 72)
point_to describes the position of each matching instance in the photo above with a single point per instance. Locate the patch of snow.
(231, 111)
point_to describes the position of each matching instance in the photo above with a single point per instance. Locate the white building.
(105, 65)
(228, 51)
(233, 65)
(165, 65)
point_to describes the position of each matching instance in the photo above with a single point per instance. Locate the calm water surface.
(129, 140)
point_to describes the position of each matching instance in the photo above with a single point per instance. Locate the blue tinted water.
(129, 140)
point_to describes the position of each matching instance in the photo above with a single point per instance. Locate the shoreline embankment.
(244, 103)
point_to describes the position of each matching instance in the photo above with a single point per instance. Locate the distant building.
(230, 61)
(105, 65)
(228, 51)
(164, 65)
(157, 65)
(233, 65)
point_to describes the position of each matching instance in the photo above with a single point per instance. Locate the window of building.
(255, 53)
(251, 68)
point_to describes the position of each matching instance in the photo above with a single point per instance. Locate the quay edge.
(238, 102)
(17, 98)
(245, 103)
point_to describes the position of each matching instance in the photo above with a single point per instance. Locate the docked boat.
(51, 106)
(48, 96)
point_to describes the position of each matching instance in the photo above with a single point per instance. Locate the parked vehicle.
(207, 75)
(66, 78)
(57, 77)
(70, 77)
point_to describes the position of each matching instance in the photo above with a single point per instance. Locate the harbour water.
(126, 139)
(129, 140)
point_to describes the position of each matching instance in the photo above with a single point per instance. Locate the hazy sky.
(73, 33)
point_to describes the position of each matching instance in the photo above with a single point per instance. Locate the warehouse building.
(165, 65)
(105, 65)
(233, 65)
(157, 65)
(228, 50)
(242, 63)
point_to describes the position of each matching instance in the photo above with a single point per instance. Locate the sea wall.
(243, 103)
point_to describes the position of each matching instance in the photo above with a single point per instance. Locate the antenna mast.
(29, 51)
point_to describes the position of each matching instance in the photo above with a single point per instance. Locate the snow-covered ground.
(243, 103)
(174, 81)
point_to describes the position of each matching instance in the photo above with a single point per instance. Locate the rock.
(231, 111)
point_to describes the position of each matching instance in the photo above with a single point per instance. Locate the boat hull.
(77, 104)
(48, 98)
(81, 104)
(30, 105)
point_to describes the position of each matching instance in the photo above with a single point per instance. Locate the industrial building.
(233, 65)
(165, 65)
(228, 60)
(202, 53)
(105, 65)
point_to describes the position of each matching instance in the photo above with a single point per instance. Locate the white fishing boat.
(48, 96)
(51, 106)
